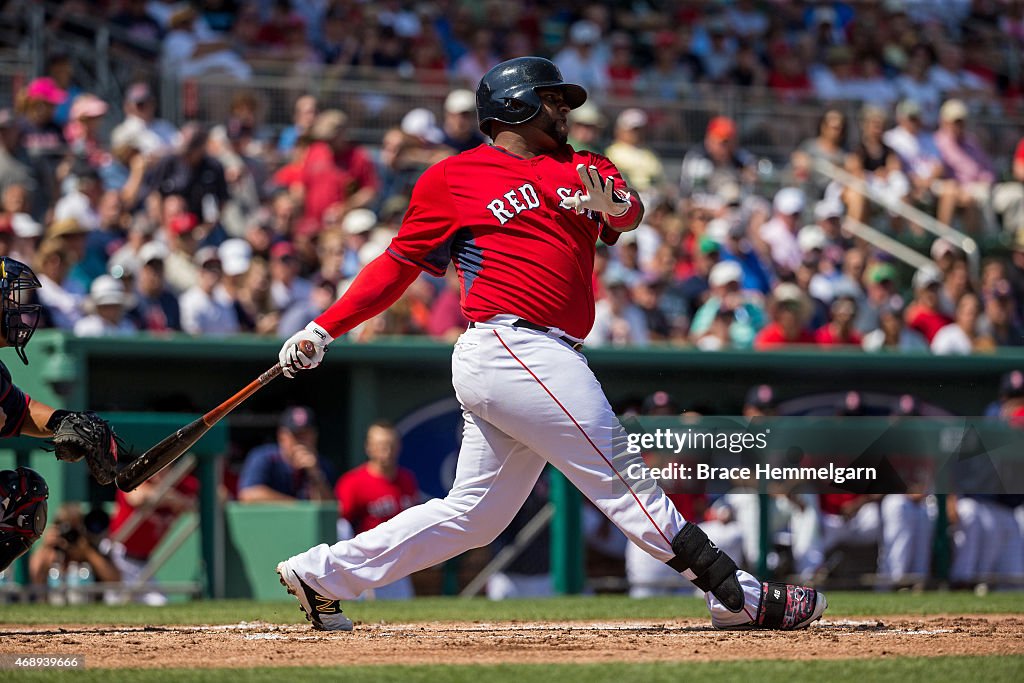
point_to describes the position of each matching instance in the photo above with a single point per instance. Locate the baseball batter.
(520, 219)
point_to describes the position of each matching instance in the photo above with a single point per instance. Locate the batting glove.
(292, 360)
(598, 194)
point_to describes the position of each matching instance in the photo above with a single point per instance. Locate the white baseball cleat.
(324, 613)
(785, 607)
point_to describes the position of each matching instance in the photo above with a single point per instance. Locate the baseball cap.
(907, 109)
(282, 250)
(721, 128)
(235, 256)
(87, 106)
(725, 272)
(359, 221)
(297, 417)
(24, 225)
(206, 255)
(631, 119)
(788, 201)
(65, 227)
(1011, 384)
(828, 208)
(421, 123)
(790, 293)
(460, 101)
(880, 272)
(107, 291)
(152, 251)
(941, 247)
(585, 31)
(761, 396)
(717, 229)
(587, 114)
(47, 90)
(926, 277)
(811, 237)
(183, 223)
(660, 403)
(708, 245)
(953, 110)
(138, 93)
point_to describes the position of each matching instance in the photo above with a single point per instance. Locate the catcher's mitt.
(86, 435)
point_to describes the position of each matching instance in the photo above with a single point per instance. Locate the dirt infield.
(261, 644)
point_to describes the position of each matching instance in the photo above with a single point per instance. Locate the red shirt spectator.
(926, 321)
(377, 491)
(772, 336)
(827, 336)
(335, 171)
(147, 535)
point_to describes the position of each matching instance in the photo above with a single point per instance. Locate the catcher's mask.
(19, 319)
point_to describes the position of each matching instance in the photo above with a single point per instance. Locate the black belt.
(575, 345)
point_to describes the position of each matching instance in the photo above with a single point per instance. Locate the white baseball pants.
(527, 398)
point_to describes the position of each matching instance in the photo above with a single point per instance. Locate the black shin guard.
(23, 518)
(715, 571)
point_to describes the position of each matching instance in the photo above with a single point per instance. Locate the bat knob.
(307, 349)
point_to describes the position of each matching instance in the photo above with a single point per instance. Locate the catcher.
(23, 491)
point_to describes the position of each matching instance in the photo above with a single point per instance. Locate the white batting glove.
(598, 194)
(292, 360)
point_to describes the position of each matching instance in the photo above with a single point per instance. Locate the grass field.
(759, 659)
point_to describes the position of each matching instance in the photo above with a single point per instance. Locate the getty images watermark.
(684, 442)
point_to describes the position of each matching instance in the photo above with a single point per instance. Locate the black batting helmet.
(508, 92)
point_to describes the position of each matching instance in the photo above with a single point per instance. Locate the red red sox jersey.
(497, 216)
(366, 499)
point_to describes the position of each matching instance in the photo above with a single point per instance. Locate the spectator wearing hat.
(780, 232)
(924, 315)
(617, 320)
(966, 163)
(879, 290)
(42, 139)
(81, 203)
(291, 468)
(202, 312)
(583, 60)
(586, 125)
(964, 335)
(83, 130)
(124, 168)
(892, 334)
(53, 263)
(757, 275)
(840, 331)
(190, 173)
(718, 161)
(636, 161)
(286, 286)
(335, 170)
(186, 53)
(729, 318)
(156, 308)
(107, 298)
(141, 128)
(459, 126)
(920, 158)
(790, 309)
(999, 318)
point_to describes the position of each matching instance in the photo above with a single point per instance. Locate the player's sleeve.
(425, 238)
(13, 404)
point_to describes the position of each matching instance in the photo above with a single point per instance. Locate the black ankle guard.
(715, 571)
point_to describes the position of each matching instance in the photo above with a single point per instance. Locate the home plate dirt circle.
(250, 644)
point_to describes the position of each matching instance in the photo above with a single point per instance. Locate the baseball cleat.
(324, 613)
(785, 607)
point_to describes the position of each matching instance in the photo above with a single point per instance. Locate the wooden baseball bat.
(174, 446)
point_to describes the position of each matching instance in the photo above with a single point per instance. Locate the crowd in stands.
(137, 224)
